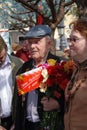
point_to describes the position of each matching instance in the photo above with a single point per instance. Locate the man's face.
(39, 47)
(3, 56)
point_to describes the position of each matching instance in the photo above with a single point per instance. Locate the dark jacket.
(21, 100)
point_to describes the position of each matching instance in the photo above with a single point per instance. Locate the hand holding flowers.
(54, 79)
(51, 80)
(49, 104)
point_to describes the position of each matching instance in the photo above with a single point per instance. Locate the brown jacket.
(76, 116)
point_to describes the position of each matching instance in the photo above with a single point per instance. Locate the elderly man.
(28, 114)
(9, 66)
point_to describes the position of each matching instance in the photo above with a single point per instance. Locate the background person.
(9, 66)
(15, 47)
(28, 114)
(23, 53)
(76, 93)
(66, 53)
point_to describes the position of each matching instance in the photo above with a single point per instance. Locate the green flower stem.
(48, 122)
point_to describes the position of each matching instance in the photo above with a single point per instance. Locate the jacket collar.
(82, 65)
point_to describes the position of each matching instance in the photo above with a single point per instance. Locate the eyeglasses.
(73, 39)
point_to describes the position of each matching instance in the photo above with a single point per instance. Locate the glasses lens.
(74, 39)
(71, 39)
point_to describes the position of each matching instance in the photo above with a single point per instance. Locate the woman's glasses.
(73, 39)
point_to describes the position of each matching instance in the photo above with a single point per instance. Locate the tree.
(24, 13)
(51, 11)
(81, 8)
(9, 9)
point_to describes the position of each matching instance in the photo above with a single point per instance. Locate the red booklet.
(28, 81)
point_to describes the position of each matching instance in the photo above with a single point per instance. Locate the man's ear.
(49, 44)
(50, 41)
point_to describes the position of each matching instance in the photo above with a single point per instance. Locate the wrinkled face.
(39, 47)
(3, 56)
(78, 46)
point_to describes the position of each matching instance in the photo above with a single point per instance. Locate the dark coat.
(21, 100)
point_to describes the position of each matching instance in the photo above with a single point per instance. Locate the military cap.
(38, 31)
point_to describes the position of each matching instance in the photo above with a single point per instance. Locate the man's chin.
(34, 56)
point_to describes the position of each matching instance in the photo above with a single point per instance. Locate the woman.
(76, 93)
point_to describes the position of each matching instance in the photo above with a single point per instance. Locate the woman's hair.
(2, 44)
(80, 25)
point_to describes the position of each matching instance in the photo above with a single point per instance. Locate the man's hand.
(49, 104)
(2, 128)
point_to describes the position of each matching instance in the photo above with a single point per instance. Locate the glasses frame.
(73, 39)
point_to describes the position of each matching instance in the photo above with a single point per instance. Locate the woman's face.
(78, 46)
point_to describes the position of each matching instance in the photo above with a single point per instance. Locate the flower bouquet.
(53, 81)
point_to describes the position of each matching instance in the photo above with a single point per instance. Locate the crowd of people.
(25, 112)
